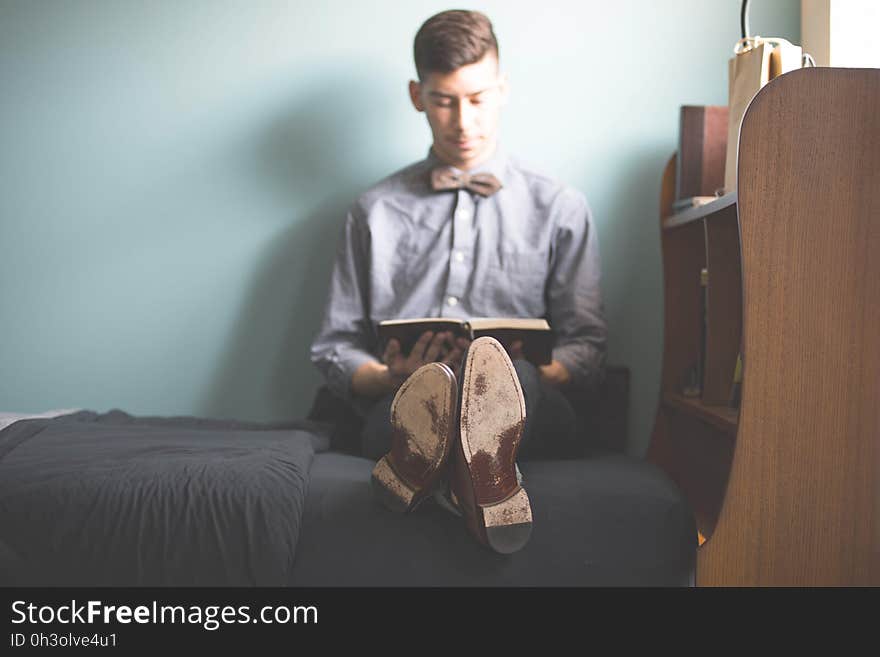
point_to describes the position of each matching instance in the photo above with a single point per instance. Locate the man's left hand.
(554, 374)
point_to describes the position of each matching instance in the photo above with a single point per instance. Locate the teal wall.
(174, 175)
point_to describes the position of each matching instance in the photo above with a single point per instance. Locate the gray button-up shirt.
(529, 250)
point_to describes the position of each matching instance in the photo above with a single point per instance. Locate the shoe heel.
(390, 489)
(508, 524)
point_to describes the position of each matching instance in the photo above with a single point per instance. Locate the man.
(466, 232)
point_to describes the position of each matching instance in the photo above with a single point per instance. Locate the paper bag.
(756, 61)
(785, 57)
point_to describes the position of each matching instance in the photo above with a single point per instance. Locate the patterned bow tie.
(444, 178)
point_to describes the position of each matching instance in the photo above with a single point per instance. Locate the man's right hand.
(429, 348)
(375, 379)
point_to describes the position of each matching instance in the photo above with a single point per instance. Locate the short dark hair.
(452, 39)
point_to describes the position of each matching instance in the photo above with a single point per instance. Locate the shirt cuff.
(585, 364)
(342, 369)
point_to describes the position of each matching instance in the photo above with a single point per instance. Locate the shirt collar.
(496, 164)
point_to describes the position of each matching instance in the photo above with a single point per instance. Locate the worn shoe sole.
(492, 414)
(422, 426)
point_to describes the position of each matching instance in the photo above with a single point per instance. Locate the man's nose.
(465, 116)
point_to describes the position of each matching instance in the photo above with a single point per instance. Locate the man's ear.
(415, 95)
(504, 88)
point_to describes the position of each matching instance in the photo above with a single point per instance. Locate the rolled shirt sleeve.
(574, 298)
(342, 344)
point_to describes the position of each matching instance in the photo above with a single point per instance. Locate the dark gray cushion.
(611, 520)
(116, 500)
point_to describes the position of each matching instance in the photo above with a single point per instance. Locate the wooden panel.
(667, 188)
(700, 212)
(697, 459)
(803, 500)
(725, 306)
(684, 255)
(660, 451)
(690, 442)
(702, 150)
(720, 417)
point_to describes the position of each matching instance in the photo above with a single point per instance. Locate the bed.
(111, 499)
(89, 499)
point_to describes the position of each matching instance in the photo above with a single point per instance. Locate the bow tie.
(444, 178)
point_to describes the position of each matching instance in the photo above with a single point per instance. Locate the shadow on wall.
(635, 242)
(317, 155)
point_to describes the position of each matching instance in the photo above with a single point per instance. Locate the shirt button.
(459, 256)
(452, 301)
(463, 214)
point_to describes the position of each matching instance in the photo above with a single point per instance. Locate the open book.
(535, 334)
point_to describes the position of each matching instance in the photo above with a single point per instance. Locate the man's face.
(463, 109)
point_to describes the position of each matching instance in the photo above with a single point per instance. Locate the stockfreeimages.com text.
(211, 617)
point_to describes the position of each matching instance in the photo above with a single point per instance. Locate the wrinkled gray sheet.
(110, 499)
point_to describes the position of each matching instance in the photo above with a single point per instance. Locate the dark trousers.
(550, 431)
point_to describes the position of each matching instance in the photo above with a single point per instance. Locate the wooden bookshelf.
(722, 417)
(786, 488)
(700, 212)
(694, 437)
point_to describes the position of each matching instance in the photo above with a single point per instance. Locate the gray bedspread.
(94, 499)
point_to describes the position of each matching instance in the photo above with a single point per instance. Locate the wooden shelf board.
(701, 212)
(723, 417)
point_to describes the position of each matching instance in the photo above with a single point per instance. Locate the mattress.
(90, 499)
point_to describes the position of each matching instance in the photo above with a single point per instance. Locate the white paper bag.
(755, 62)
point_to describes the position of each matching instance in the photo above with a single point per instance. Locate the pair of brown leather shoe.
(468, 430)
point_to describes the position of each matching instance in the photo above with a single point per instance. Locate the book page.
(421, 320)
(520, 323)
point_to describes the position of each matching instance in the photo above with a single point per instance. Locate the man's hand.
(429, 348)
(374, 379)
(554, 374)
(456, 351)
(516, 350)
